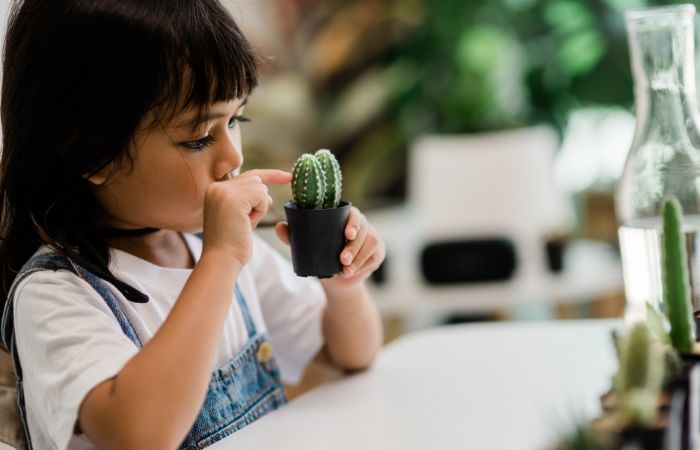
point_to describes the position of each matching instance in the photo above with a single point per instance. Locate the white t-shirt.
(69, 341)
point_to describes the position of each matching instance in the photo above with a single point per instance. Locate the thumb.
(282, 230)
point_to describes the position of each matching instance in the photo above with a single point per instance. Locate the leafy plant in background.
(450, 66)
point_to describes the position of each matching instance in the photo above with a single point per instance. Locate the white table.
(485, 386)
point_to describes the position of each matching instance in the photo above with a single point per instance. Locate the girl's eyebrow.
(193, 122)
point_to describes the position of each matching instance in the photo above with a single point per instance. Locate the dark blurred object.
(456, 319)
(555, 249)
(468, 261)
(378, 277)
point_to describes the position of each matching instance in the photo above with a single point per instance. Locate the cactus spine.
(309, 183)
(317, 181)
(676, 286)
(334, 178)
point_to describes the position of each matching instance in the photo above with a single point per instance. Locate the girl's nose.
(229, 158)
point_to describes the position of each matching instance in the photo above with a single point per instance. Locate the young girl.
(121, 124)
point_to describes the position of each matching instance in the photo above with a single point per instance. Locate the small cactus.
(334, 178)
(640, 377)
(639, 408)
(641, 360)
(676, 285)
(309, 182)
(317, 181)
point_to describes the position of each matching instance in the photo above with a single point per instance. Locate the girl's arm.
(352, 328)
(154, 400)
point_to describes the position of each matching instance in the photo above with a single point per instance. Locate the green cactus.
(676, 286)
(334, 178)
(641, 361)
(639, 408)
(309, 182)
(317, 181)
(640, 377)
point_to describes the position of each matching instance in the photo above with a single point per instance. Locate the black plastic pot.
(317, 237)
(689, 381)
(666, 435)
(646, 439)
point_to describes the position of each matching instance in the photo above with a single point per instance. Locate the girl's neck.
(165, 248)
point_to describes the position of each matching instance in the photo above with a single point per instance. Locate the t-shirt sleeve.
(292, 307)
(68, 342)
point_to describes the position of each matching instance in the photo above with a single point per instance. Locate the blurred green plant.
(454, 66)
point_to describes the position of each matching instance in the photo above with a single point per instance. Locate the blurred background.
(366, 78)
(494, 84)
(495, 128)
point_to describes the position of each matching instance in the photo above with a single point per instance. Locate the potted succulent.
(654, 402)
(639, 413)
(674, 333)
(317, 217)
(676, 287)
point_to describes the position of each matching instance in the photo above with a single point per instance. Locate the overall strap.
(250, 325)
(54, 261)
(51, 261)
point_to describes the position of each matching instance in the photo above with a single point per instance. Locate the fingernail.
(353, 233)
(347, 257)
(351, 270)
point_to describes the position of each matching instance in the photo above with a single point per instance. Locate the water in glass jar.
(640, 244)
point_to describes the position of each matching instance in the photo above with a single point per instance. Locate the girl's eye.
(199, 144)
(241, 118)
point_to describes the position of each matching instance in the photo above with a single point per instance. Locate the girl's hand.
(362, 255)
(234, 207)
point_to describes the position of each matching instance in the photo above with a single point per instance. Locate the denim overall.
(240, 391)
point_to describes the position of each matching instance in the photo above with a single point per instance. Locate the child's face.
(173, 166)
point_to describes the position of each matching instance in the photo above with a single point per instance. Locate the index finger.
(271, 176)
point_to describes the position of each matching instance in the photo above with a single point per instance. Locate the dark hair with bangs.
(79, 78)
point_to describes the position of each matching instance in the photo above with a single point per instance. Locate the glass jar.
(665, 153)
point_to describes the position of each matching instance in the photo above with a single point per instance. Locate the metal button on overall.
(264, 352)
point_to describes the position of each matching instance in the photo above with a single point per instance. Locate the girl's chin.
(197, 226)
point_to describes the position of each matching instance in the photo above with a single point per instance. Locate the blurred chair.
(474, 191)
(485, 184)
(468, 190)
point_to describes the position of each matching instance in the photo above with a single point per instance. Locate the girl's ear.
(98, 178)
